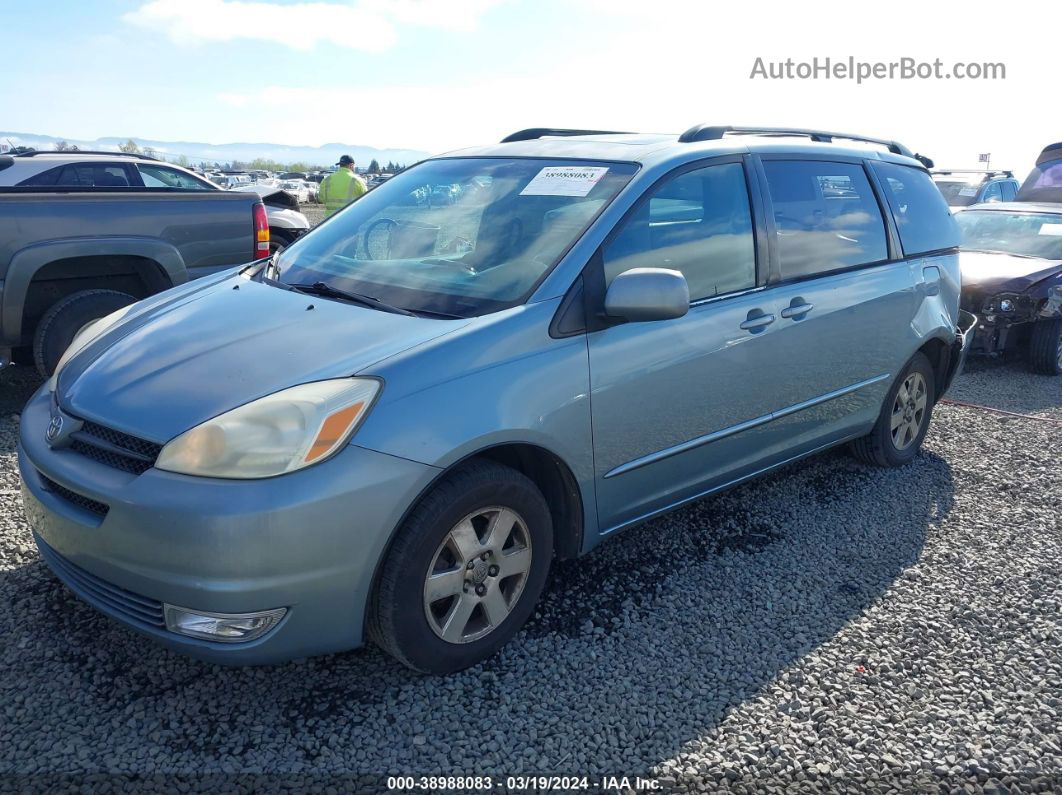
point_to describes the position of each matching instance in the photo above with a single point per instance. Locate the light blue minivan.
(393, 427)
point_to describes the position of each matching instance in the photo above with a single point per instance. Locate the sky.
(436, 75)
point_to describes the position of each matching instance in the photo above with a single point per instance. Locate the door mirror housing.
(644, 294)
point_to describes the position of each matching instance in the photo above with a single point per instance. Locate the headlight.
(279, 433)
(1006, 305)
(87, 335)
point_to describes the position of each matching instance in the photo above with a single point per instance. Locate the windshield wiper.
(433, 313)
(328, 291)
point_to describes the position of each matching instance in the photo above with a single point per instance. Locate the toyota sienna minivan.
(392, 428)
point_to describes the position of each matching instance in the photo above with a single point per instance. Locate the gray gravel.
(829, 628)
(1011, 386)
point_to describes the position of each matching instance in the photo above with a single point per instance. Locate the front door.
(679, 406)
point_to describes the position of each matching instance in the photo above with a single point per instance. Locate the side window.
(1009, 190)
(82, 175)
(94, 175)
(698, 223)
(923, 219)
(993, 193)
(826, 217)
(162, 177)
(45, 178)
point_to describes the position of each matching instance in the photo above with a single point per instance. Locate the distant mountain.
(197, 151)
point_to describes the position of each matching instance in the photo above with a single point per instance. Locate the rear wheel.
(464, 571)
(62, 322)
(1045, 347)
(904, 420)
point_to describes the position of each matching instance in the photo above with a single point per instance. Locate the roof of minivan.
(653, 148)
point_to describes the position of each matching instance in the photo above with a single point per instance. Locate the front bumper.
(308, 541)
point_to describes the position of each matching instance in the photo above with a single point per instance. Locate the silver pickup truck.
(70, 255)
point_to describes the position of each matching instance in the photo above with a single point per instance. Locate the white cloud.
(455, 15)
(303, 25)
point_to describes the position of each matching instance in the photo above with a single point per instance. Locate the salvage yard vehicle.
(286, 223)
(393, 427)
(1044, 183)
(70, 169)
(962, 187)
(1011, 263)
(83, 234)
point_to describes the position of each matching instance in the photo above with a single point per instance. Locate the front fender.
(498, 381)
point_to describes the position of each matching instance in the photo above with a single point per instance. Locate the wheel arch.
(548, 471)
(154, 263)
(939, 354)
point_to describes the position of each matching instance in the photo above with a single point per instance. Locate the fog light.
(223, 627)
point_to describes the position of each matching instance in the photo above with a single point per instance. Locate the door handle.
(797, 309)
(757, 320)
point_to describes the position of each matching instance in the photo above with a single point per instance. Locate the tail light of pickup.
(261, 231)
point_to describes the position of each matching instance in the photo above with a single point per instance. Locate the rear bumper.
(960, 348)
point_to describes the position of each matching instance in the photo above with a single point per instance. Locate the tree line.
(258, 164)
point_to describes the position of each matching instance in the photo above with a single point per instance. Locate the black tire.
(278, 241)
(397, 620)
(59, 325)
(1045, 347)
(878, 448)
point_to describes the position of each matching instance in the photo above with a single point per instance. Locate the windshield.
(958, 193)
(1028, 234)
(462, 236)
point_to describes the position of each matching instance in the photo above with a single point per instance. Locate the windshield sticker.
(1051, 229)
(564, 181)
(968, 191)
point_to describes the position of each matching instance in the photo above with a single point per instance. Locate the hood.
(178, 363)
(989, 272)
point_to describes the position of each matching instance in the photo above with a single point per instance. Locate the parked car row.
(385, 431)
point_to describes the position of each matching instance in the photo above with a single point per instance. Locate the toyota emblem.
(55, 427)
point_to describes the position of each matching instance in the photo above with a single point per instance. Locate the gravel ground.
(829, 628)
(313, 212)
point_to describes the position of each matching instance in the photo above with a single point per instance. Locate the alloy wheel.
(477, 575)
(909, 411)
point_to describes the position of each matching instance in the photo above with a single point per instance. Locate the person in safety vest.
(341, 187)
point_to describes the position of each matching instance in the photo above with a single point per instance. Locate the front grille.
(81, 501)
(114, 448)
(99, 592)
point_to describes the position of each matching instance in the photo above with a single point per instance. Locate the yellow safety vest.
(339, 189)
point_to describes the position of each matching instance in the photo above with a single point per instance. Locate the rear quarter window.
(922, 217)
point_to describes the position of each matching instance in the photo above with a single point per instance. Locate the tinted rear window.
(82, 175)
(825, 215)
(922, 215)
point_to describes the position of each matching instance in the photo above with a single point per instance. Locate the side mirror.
(642, 294)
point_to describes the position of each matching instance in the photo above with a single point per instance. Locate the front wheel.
(904, 419)
(464, 571)
(1045, 347)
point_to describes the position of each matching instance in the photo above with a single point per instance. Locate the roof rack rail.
(36, 152)
(705, 132)
(985, 172)
(532, 133)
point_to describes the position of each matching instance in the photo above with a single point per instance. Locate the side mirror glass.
(644, 294)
